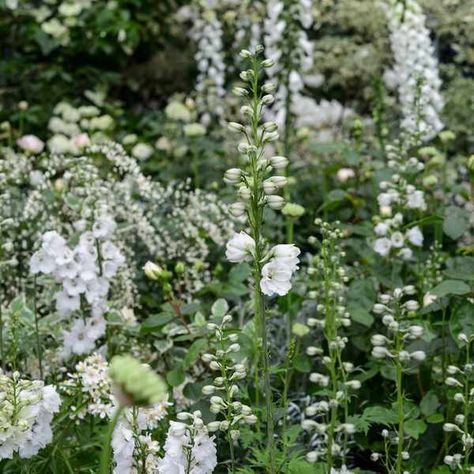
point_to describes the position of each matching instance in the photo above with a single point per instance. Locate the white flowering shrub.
(236, 237)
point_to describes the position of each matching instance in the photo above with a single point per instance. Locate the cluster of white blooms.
(229, 373)
(26, 411)
(207, 34)
(325, 118)
(459, 382)
(74, 128)
(56, 17)
(287, 44)
(188, 447)
(396, 311)
(326, 418)
(171, 223)
(415, 72)
(282, 261)
(132, 444)
(85, 270)
(91, 386)
(397, 197)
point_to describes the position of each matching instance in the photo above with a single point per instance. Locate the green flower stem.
(467, 397)
(400, 400)
(256, 224)
(38, 341)
(105, 456)
(227, 385)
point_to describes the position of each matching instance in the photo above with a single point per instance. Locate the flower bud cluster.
(224, 389)
(26, 412)
(395, 310)
(256, 186)
(397, 196)
(461, 390)
(328, 288)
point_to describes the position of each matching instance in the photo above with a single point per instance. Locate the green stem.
(105, 456)
(38, 341)
(256, 223)
(400, 407)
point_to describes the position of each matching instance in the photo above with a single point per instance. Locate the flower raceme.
(282, 260)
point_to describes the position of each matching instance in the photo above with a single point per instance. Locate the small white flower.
(415, 236)
(240, 248)
(382, 246)
(31, 144)
(276, 278)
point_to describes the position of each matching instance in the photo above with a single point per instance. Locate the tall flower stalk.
(272, 269)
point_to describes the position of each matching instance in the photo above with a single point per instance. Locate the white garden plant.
(257, 188)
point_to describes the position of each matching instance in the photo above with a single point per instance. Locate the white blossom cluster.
(132, 442)
(395, 312)
(287, 44)
(459, 383)
(171, 223)
(188, 447)
(396, 198)
(84, 274)
(415, 72)
(92, 386)
(56, 17)
(330, 430)
(26, 412)
(229, 373)
(282, 261)
(206, 33)
(134, 448)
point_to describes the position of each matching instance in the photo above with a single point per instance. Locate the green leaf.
(175, 377)
(460, 268)
(456, 222)
(155, 322)
(193, 352)
(302, 363)
(450, 287)
(429, 404)
(380, 415)
(219, 309)
(360, 301)
(462, 320)
(415, 428)
(435, 418)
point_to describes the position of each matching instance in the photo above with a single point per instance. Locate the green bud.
(293, 210)
(137, 384)
(194, 130)
(179, 268)
(300, 329)
(470, 164)
(447, 136)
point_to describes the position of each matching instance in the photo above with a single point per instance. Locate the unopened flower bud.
(275, 202)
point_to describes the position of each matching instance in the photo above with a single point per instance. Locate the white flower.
(286, 254)
(344, 174)
(27, 409)
(415, 236)
(41, 262)
(240, 248)
(276, 278)
(103, 228)
(416, 200)
(66, 303)
(142, 151)
(382, 246)
(397, 239)
(31, 143)
(381, 229)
